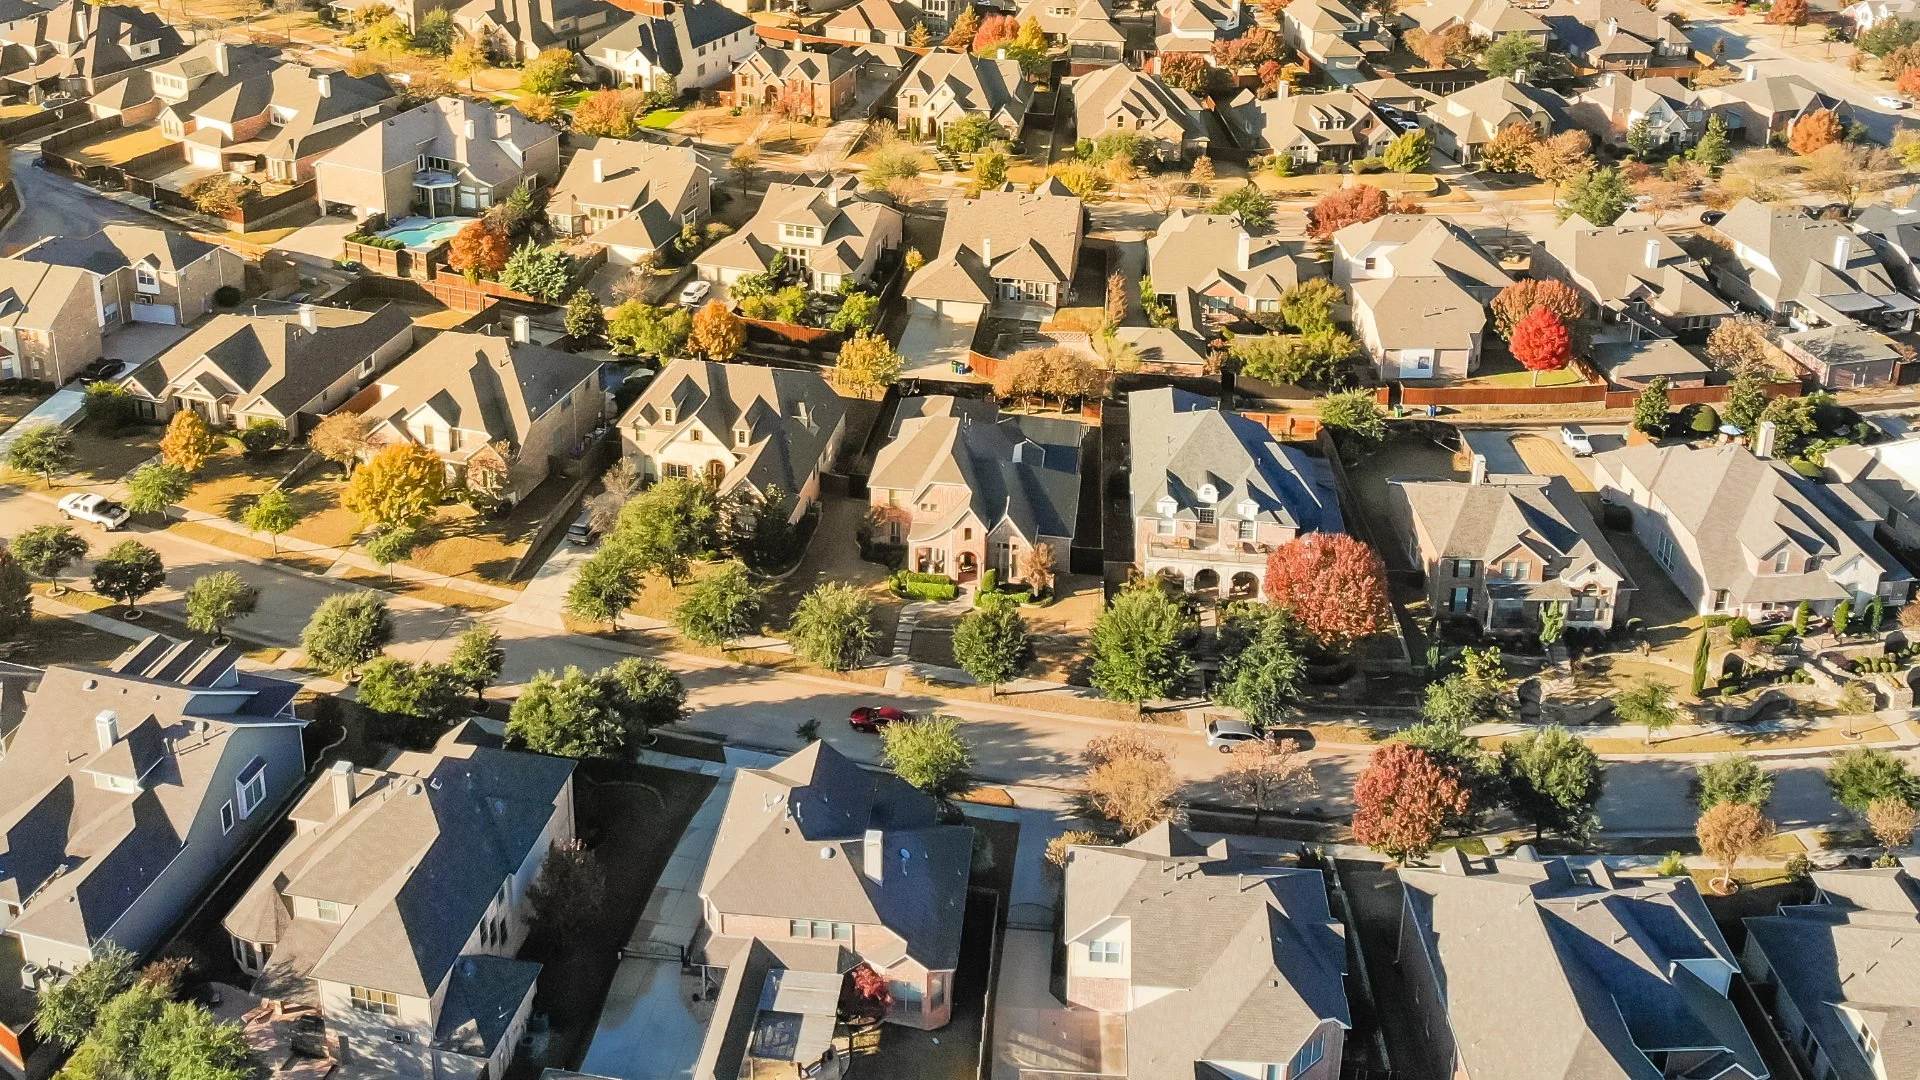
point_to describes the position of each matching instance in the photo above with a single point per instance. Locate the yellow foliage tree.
(400, 486)
(717, 332)
(188, 443)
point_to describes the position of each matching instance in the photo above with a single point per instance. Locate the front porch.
(1217, 574)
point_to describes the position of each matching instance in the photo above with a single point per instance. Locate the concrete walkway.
(62, 409)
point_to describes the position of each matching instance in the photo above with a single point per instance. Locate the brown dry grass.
(432, 594)
(118, 148)
(250, 547)
(54, 640)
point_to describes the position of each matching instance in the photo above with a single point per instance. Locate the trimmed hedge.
(936, 587)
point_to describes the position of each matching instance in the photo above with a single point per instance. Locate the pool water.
(421, 234)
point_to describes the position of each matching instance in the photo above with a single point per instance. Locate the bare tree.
(1263, 773)
(1163, 192)
(1729, 832)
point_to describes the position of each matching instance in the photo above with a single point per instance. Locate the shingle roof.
(944, 440)
(1025, 236)
(632, 175)
(1183, 442)
(1147, 103)
(1477, 113)
(271, 359)
(1323, 121)
(116, 247)
(1819, 264)
(889, 16)
(977, 85)
(853, 225)
(787, 416)
(1487, 520)
(500, 144)
(481, 382)
(35, 294)
(1633, 259)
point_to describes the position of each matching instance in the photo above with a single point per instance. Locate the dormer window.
(146, 278)
(740, 436)
(1783, 561)
(1248, 508)
(1209, 493)
(1166, 507)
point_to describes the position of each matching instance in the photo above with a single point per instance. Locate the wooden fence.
(1419, 397)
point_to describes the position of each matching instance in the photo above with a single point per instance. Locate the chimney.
(1653, 253)
(220, 57)
(873, 856)
(470, 131)
(522, 330)
(986, 251)
(106, 725)
(309, 319)
(345, 784)
(81, 13)
(502, 124)
(1763, 440)
(1842, 251)
(1750, 73)
(1245, 254)
(323, 84)
(599, 170)
(1282, 89)
(1479, 469)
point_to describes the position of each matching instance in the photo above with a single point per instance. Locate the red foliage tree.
(1815, 131)
(1908, 82)
(1250, 49)
(1403, 800)
(1519, 299)
(1334, 585)
(1541, 342)
(864, 997)
(1186, 71)
(995, 31)
(1788, 13)
(478, 250)
(1347, 206)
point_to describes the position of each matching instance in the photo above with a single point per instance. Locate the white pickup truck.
(98, 509)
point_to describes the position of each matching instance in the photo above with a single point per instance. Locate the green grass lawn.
(1566, 376)
(661, 119)
(570, 100)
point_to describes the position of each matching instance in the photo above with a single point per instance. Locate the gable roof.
(1006, 234)
(886, 16)
(1476, 114)
(1146, 102)
(813, 65)
(272, 359)
(633, 175)
(1633, 259)
(117, 246)
(1425, 247)
(1341, 120)
(1183, 442)
(86, 41)
(788, 417)
(35, 294)
(496, 152)
(851, 226)
(1419, 312)
(480, 382)
(946, 440)
(975, 85)
(1487, 520)
(1821, 265)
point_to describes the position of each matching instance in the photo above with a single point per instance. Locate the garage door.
(156, 313)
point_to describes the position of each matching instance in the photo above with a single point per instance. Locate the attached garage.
(165, 314)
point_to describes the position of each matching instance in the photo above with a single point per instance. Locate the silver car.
(1227, 734)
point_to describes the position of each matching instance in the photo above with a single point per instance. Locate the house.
(944, 87)
(1308, 128)
(891, 896)
(1165, 350)
(739, 427)
(127, 791)
(288, 369)
(1396, 94)
(146, 274)
(1500, 549)
(519, 30)
(823, 82)
(1334, 36)
(1606, 976)
(819, 224)
(674, 44)
(1004, 247)
(1211, 961)
(52, 320)
(1488, 19)
(76, 47)
(1893, 232)
(1632, 364)
(964, 488)
(1764, 110)
(1675, 117)
(451, 157)
(1882, 482)
(235, 107)
(1171, 123)
(498, 410)
(1194, 25)
(1742, 534)
(1640, 281)
(1084, 27)
(1463, 123)
(397, 906)
(1213, 492)
(1188, 261)
(878, 22)
(1619, 36)
(410, 12)
(1419, 287)
(1867, 14)
(629, 197)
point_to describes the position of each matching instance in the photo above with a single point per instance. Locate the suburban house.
(1607, 976)
(1759, 110)
(822, 82)
(891, 896)
(1188, 259)
(409, 12)
(1867, 14)
(1893, 232)
(398, 904)
(1171, 123)
(1619, 36)
(1209, 960)
(1005, 247)
(878, 22)
(966, 489)
(1882, 482)
(739, 427)
(1632, 364)
(1640, 281)
(674, 44)
(498, 410)
(1084, 27)
(1214, 492)
(1194, 25)
(1419, 288)
(80, 48)
(451, 157)
(1837, 973)
(1398, 94)
(1675, 116)
(288, 369)
(52, 322)
(629, 197)
(146, 274)
(1488, 19)
(1335, 36)
(942, 88)
(1500, 549)
(1742, 534)
(127, 791)
(819, 224)
(1309, 128)
(519, 30)
(1463, 123)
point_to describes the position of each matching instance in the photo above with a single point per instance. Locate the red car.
(873, 718)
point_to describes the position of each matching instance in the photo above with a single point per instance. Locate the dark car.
(581, 531)
(101, 370)
(1712, 217)
(874, 717)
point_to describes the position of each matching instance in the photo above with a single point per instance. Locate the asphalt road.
(53, 205)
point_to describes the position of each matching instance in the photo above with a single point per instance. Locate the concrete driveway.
(323, 239)
(932, 344)
(137, 343)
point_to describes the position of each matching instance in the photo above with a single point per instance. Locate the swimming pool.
(422, 234)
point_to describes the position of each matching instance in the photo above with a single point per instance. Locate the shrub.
(935, 587)
(1705, 420)
(1739, 629)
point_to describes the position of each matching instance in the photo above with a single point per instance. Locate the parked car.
(1888, 101)
(1227, 734)
(97, 509)
(1576, 440)
(871, 718)
(581, 531)
(100, 371)
(1712, 217)
(695, 292)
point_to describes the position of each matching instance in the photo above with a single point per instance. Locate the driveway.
(137, 343)
(324, 239)
(932, 344)
(541, 602)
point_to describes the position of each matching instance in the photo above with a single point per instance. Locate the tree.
(47, 551)
(1116, 308)
(965, 25)
(1130, 781)
(1348, 206)
(1888, 35)
(155, 487)
(1728, 833)
(16, 595)
(1734, 778)
(1200, 174)
(1249, 203)
(605, 114)
(468, 58)
(225, 194)
(128, 571)
(272, 513)
(1640, 138)
(43, 450)
(857, 312)
(930, 755)
(1403, 800)
(477, 659)
(1308, 306)
(1520, 299)
(1599, 196)
(1037, 568)
(717, 332)
(109, 407)
(1846, 173)
(1334, 584)
(1859, 775)
(664, 528)
(569, 894)
(647, 695)
(1261, 671)
(1651, 407)
(541, 272)
(1512, 56)
(990, 643)
(575, 715)
(1712, 151)
(1892, 822)
(638, 328)
(1791, 14)
(391, 543)
(1511, 149)
(416, 701)
(584, 317)
(607, 585)
(1553, 781)
(744, 163)
(832, 626)
(67, 1009)
(1139, 644)
(1438, 50)
(399, 485)
(1561, 158)
(989, 171)
(340, 437)
(721, 607)
(1746, 401)
(1815, 130)
(867, 364)
(346, 631)
(1262, 773)
(216, 600)
(547, 73)
(1410, 152)
(1541, 343)
(1648, 704)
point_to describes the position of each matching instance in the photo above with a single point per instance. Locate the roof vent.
(826, 852)
(415, 788)
(90, 684)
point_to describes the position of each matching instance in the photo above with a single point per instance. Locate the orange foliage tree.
(1347, 206)
(1403, 800)
(1815, 130)
(1335, 586)
(717, 332)
(478, 250)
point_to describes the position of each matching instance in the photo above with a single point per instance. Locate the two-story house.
(819, 867)
(1463, 123)
(1204, 960)
(1867, 14)
(964, 488)
(498, 410)
(944, 87)
(451, 157)
(821, 83)
(879, 22)
(1764, 109)
(1085, 28)
(1308, 128)
(520, 30)
(629, 197)
(1881, 483)
(76, 47)
(1194, 25)
(399, 902)
(145, 274)
(685, 44)
(1893, 232)
(1004, 248)
(1741, 534)
(819, 225)
(1619, 36)
(1487, 19)
(739, 427)
(1170, 122)
(1188, 262)
(127, 790)
(1213, 492)
(1335, 36)
(1532, 967)
(1419, 287)
(52, 320)
(1500, 550)
(1675, 116)
(1639, 279)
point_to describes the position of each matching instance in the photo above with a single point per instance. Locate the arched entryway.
(1206, 581)
(1171, 580)
(1244, 586)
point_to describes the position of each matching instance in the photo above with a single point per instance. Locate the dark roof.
(116, 247)
(272, 358)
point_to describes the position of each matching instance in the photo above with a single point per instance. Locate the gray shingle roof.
(271, 358)
(1016, 235)
(633, 175)
(1487, 520)
(1820, 265)
(500, 144)
(481, 382)
(788, 417)
(851, 223)
(116, 247)
(944, 440)
(1183, 442)
(1201, 252)
(1147, 103)
(1633, 259)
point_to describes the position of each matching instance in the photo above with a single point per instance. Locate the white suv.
(1576, 440)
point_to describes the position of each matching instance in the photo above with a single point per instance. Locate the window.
(799, 232)
(1205, 516)
(327, 910)
(740, 437)
(1719, 599)
(1663, 550)
(966, 534)
(1783, 561)
(1308, 1057)
(675, 471)
(1163, 527)
(1514, 569)
(1463, 568)
(666, 416)
(368, 1000)
(1461, 601)
(693, 434)
(226, 818)
(1370, 262)
(145, 279)
(1246, 530)
(817, 928)
(1103, 952)
(251, 786)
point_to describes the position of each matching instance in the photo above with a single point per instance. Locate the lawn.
(15, 406)
(97, 458)
(482, 547)
(55, 640)
(661, 119)
(118, 148)
(717, 125)
(1564, 377)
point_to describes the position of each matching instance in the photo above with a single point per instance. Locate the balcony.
(1231, 552)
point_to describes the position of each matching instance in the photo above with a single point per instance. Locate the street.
(56, 206)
